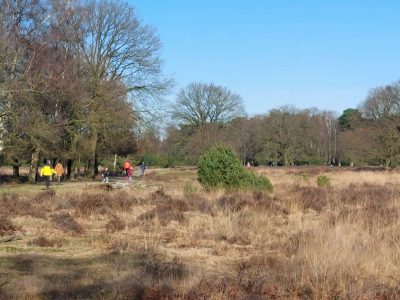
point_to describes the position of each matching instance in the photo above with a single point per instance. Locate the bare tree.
(114, 46)
(383, 102)
(22, 23)
(381, 111)
(283, 134)
(81, 68)
(199, 104)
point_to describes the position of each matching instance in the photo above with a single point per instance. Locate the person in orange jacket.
(127, 166)
(47, 171)
(60, 172)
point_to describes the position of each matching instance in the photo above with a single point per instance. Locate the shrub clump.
(41, 241)
(47, 194)
(311, 197)
(66, 223)
(115, 224)
(13, 205)
(165, 214)
(220, 168)
(157, 269)
(323, 181)
(87, 204)
(6, 226)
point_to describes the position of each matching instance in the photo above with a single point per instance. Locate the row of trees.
(286, 136)
(77, 80)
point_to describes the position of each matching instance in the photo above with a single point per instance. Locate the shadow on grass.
(13, 179)
(140, 275)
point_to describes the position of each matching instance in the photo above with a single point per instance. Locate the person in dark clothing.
(106, 175)
(142, 168)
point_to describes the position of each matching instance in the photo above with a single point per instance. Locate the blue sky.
(325, 54)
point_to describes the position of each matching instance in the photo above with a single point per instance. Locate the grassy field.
(163, 237)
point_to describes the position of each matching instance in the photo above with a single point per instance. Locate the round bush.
(220, 168)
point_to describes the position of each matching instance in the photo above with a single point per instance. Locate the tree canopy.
(73, 78)
(199, 104)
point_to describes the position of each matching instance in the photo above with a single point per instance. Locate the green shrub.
(255, 182)
(220, 168)
(323, 181)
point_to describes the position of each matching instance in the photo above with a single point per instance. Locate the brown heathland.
(168, 239)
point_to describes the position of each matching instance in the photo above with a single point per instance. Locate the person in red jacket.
(130, 172)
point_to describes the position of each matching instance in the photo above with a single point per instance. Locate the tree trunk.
(388, 163)
(71, 169)
(91, 165)
(286, 157)
(34, 167)
(96, 165)
(16, 168)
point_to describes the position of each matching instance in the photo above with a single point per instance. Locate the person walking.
(47, 171)
(130, 172)
(106, 175)
(60, 172)
(126, 166)
(142, 168)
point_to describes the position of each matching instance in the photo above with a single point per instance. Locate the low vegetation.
(220, 168)
(323, 181)
(163, 241)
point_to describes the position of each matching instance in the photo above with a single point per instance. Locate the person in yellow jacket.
(47, 171)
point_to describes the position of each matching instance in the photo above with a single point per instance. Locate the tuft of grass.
(115, 224)
(189, 188)
(66, 223)
(323, 181)
(165, 214)
(86, 204)
(265, 202)
(356, 193)
(14, 205)
(233, 202)
(47, 194)
(42, 241)
(6, 226)
(121, 244)
(311, 197)
(197, 202)
(159, 269)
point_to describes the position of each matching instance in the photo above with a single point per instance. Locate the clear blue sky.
(321, 53)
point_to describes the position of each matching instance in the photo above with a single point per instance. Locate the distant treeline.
(287, 136)
(81, 81)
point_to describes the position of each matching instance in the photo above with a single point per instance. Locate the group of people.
(47, 172)
(127, 169)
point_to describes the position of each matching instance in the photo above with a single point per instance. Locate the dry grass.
(42, 241)
(14, 205)
(66, 223)
(115, 224)
(6, 226)
(168, 240)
